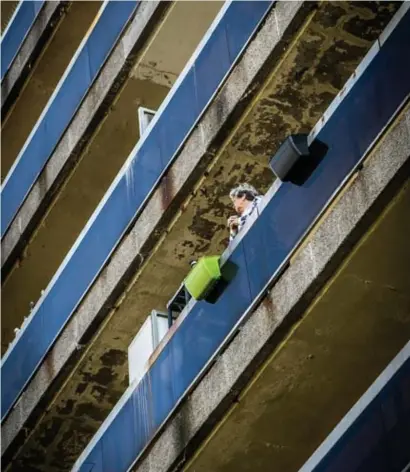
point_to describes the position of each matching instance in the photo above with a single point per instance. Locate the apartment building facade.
(125, 124)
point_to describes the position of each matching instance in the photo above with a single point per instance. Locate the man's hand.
(233, 223)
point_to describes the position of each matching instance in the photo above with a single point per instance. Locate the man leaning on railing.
(246, 201)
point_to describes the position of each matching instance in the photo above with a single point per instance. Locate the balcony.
(259, 257)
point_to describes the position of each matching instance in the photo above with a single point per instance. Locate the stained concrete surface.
(351, 332)
(102, 375)
(17, 125)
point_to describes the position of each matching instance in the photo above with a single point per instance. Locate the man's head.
(241, 197)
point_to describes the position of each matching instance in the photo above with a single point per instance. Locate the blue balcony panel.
(203, 331)
(17, 30)
(289, 214)
(239, 21)
(373, 436)
(119, 208)
(143, 412)
(117, 455)
(212, 65)
(177, 119)
(94, 462)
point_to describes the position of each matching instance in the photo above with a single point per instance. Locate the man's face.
(240, 204)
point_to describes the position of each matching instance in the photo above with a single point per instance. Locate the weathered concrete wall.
(276, 332)
(173, 44)
(101, 375)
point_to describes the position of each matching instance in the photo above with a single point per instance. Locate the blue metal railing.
(17, 30)
(374, 435)
(350, 132)
(62, 106)
(188, 99)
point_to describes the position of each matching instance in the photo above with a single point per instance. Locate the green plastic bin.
(203, 276)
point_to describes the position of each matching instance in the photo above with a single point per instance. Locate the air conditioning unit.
(144, 344)
(145, 117)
